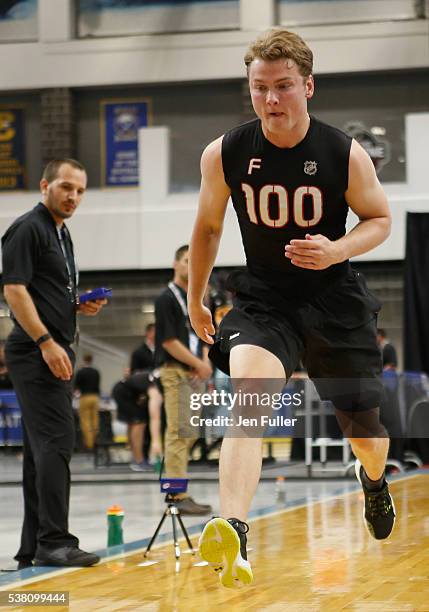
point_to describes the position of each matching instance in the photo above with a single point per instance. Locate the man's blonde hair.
(278, 43)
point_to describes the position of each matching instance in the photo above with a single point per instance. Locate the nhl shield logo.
(310, 167)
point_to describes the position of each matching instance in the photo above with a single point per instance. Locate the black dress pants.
(48, 435)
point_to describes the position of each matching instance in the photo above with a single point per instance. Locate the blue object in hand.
(98, 294)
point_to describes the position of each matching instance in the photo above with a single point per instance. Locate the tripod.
(174, 512)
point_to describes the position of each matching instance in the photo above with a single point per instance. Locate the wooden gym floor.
(315, 557)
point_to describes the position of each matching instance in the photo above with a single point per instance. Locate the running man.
(292, 180)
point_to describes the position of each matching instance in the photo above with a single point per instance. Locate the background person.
(143, 357)
(184, 366)
(87, 383)
(5, 381)
(390, 358)
(138, 401)
(41, 286)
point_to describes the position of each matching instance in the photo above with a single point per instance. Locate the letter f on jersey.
(255, 163)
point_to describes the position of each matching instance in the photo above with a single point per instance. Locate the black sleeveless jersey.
(285, 193)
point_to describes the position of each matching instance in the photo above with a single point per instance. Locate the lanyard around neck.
(179, 297)
(69, 259)
(193, 338)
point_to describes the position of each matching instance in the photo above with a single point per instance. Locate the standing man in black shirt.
(388, 351)
(292, 180)
(143, 357)
(40, 281)
(87, 382)
(184, 366)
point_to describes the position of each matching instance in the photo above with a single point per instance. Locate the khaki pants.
(177, 391)
(88, 417)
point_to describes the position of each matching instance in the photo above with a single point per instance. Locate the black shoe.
(223, 545)
(379, 510)
(187, 506)
(24, 564)
(67, 556)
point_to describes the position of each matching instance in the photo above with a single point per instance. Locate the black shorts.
(333, 335)
(131, 413)
(130, 409)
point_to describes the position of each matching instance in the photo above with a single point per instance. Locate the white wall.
(140, 229)
(60, 60)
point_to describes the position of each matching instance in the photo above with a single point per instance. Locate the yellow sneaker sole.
(219, 545)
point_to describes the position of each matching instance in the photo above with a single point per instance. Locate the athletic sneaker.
(143, 466)
(223, 545)
(379, 510)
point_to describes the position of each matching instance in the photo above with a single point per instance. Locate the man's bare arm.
(214, 195)
(366, 198)
(24, 311)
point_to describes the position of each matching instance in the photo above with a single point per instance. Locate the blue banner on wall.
(12, 149)
(120, 123)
